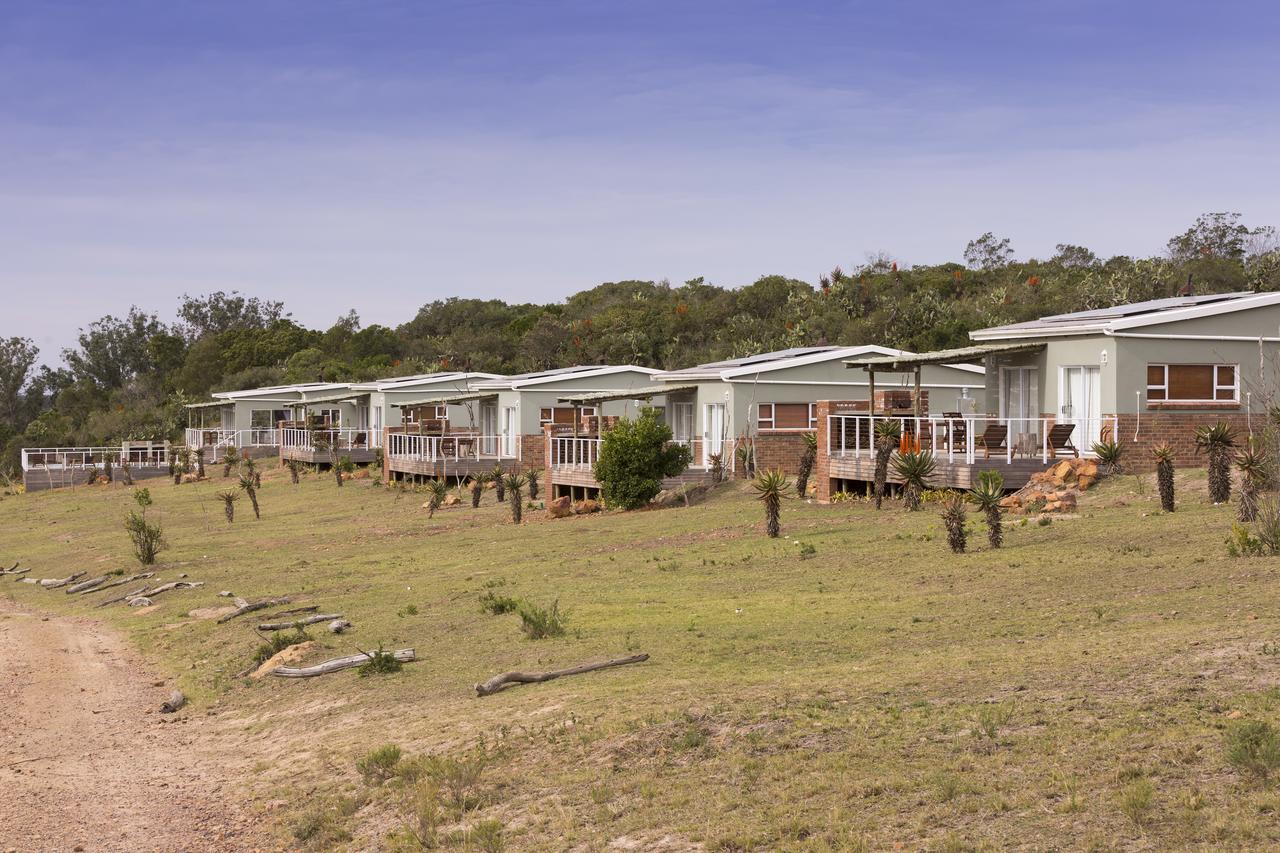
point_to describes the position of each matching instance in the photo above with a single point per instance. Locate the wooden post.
(871, 390)
(917, 391)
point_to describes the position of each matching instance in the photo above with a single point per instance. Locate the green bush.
(380, 764)
(496, 604)
(635, 456)
(381, 662)
(147, 538)
(541, 622)
(278, 642)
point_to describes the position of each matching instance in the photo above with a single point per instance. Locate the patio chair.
(993, 438)
(955, 427)
(360, 440)
(1060, 439)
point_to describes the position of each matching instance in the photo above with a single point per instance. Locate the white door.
(375, 425)
(488, 429)
(713, 434)
(1080, 402)
(682, 421)
(510, 431)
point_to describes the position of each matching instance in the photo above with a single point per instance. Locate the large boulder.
(1064, 472)
(586, 506)
(560, 507)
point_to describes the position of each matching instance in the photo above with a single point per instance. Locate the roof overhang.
(212, 405)
(445, 400)
(333, 398)
(950, 357)
(648, 393)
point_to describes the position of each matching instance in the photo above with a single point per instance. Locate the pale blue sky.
(377, 155)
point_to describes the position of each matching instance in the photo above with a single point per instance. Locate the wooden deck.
(446, 467)
(571, 479)
(360, 456)
(954, 475)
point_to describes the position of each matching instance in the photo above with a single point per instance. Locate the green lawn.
(883, 691)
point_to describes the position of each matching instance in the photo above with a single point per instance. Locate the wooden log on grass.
(298, 623)
(510, 679)
(165, 587)
(87, 585)
(338, 664)
(54, 583)
(283, 613)
(337, 626)
(142, 590)
(251, 606)
(119, 582)
(13, 570)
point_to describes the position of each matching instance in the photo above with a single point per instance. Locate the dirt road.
(88, 763)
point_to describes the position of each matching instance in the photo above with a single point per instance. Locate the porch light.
(1103, 358)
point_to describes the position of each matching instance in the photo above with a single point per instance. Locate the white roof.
(300, 388)
(1106, 321)
(545, 377)
(410, 383)
(732, 369)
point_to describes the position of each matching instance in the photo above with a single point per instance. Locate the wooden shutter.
(1191, 381)
(791, 416)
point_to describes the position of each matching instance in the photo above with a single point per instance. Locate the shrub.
(380, 764)
(345, 465)
(1255, 472)
(496, 605)
(437, 491)
(278, 642)
(380, 662)
(1253, 747)
(915, 468)
(1109, 454)
(1242, 543)
(539, 623)
(531, 477)
(147, 538)
(635, 456)
(1135, 800)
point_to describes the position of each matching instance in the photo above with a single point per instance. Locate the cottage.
(247, 421)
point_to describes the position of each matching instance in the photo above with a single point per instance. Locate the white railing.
(338, 440)
(458, 447)
(968, 438)
(576, 453)
(63, 458)
(223, 438)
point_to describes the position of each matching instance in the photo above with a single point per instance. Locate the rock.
(689, 493)
(586, 507)
(1084, 481)
(291, 654)
(560, 507)
(140, 601)
(190, 478)
(1067, 503)
(452, 500)
(1087, 468)
(363, 474)
(1063, 472)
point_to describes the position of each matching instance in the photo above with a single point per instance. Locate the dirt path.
(86, 762)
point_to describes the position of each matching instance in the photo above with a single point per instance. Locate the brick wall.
(822, 465)
(1178, 430)
(779, 450)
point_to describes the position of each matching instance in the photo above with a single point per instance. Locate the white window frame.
(767, 423)
(1234, 387)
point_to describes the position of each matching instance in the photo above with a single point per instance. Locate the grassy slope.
(820, 703)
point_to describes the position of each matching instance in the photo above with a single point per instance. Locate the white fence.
(966, 439)
(576, 453)
(66, 458)
(329, 439)
(219, 439)
(458, 447)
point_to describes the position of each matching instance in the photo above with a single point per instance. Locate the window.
(420, 413)
(788, 416)
(331, 417)
(564, 414)
(1193, 383)
(267, 418)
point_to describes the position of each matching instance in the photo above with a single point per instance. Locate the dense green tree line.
(128, 377)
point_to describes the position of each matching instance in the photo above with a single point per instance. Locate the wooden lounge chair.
(993, 438)
(360, 440)
(1060, 439)
(955, 427)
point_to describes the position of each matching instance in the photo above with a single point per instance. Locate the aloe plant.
(771, 487)
(987, 496)
(478, 481)
(515, 483)
(953, 516)
(437, 491)
(1255, 470)
(1217, 442)
(915, 468)
(229, 498)
(1163, 454)
(887, 435)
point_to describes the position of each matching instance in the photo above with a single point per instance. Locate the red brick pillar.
(822, 462)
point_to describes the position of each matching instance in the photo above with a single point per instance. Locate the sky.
(379, 155)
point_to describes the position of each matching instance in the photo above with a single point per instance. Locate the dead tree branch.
(510, 679)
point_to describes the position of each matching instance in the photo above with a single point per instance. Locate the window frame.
(768, 424)
(1163, 388)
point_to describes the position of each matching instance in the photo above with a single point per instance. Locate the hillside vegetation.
(1074, 687)
(129, 376)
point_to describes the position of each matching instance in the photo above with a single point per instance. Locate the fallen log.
(165, 587)
(298, 623)
(140, 601)
(510, 679)
(251, 606)
(337, 664)
(176, 701)
(54, 583)
(120, 582)
(142, 590)
(13, 570)
(89, 584)
(337, 626)
(294, 612)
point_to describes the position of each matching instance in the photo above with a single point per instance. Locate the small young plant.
(229, 461)
(515, 485)
(531, 476)
(1255, 471)
(1253, 747)
(1164, 475)
(278, 642)
(1136, 800)
(915, 468)
(147, 537)
(478, 481)
(437, 491)
(229, 499)
(539, 623)
(380, 662)
(771, 487)
(954, 516)
(379, 765)
(295, 470)
(1109, 455)
(248, 484)
(987, 495)
(499, 483)
(496, 604)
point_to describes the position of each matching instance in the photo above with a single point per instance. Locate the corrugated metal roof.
(946, 356)
(630, 394)
(446, 400)
(210, 405)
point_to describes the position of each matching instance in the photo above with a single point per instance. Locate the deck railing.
(962, 439)
(63, 458)
(337, 439)
(457, 447)
(220, 439)
(576, 453)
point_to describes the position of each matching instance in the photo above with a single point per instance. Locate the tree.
(1072, 256)
(988, 252)
(220, 312)
(771, 487)
(17, 356)
(113, 352)
(635, 456)
(807, 459)
(1213, 235)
